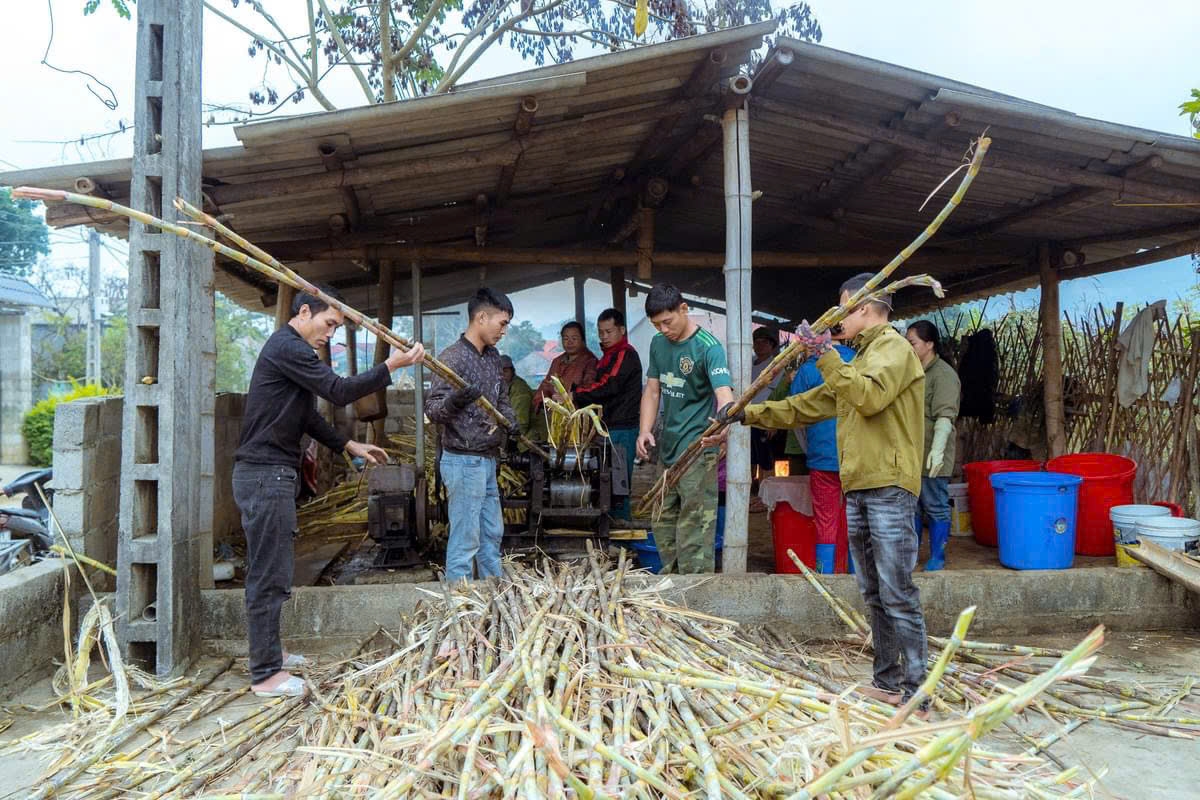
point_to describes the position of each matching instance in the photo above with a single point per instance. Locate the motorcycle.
(31, 520)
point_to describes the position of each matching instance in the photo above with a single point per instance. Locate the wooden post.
(387, 298)
(419, 369)
(616, 278)
(645, 244)
(283, 305)
(580, 304)
(351, 349)
(1052, 369)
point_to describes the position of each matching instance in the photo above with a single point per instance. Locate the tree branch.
(385, 50)
(309, 80)
(453, 77)
(345, 51)
(313, 44)
(283, 36)
(425, 22)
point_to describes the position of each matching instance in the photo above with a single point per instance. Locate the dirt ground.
(1127, 765)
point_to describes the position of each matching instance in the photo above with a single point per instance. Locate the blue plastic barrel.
(1035, 518)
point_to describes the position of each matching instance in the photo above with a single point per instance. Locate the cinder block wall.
(400, 407)
(87, 471)
(87, 474)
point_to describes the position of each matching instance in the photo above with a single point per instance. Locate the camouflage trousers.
(686, 532)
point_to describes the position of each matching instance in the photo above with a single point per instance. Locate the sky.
(1098, 58)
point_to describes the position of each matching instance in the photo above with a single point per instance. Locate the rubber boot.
(939, 534)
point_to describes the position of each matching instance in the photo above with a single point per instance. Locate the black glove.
(465, 396)
(727, 416)
(513, 430)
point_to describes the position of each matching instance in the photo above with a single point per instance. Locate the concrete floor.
(1132, 766)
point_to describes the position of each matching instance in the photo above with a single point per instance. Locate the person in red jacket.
(618, 389)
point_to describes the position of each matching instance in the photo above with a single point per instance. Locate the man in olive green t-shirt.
(688, 372)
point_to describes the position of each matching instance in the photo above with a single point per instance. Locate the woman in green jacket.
(942, 390)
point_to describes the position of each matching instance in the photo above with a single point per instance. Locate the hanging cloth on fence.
(1136, 344)
(979, 373)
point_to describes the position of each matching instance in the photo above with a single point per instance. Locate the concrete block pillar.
(16, 384)
(165, 539)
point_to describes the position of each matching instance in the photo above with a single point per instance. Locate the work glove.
(463, 397)
(942, 428)
(513, 429)
(816, 343)
(727, 416)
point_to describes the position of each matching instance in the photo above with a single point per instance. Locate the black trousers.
(266, 497)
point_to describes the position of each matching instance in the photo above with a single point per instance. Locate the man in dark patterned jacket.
(471, 439)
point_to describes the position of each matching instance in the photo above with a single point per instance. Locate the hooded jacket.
(618, 386)
(878, 399)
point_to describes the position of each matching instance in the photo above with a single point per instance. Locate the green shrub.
(39, 422)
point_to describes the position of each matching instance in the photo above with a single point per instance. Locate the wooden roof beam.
(1057, 206)
(468, 254)
(698, 83)
(996, 162)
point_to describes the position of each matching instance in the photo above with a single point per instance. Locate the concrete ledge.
(31, 636)
(1009, 603)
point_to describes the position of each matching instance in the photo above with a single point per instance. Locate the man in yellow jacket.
(878, 399)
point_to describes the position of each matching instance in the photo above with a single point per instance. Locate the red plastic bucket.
(796, 531)
(982, 499)
(1107, 482)
(1175, 509)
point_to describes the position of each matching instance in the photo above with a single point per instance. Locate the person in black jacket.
(618, 389)
(280, 410)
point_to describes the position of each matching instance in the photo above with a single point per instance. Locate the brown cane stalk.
(673, 474)
(273, 269)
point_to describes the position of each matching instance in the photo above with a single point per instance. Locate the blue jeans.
(626, 439)
(935, 499)
(884, 546)
(476, 522)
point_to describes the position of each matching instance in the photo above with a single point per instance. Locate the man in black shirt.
(280, 409)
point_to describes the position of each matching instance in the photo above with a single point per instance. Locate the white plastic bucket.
(1174, 533)
(1126, 518)
(960, 511)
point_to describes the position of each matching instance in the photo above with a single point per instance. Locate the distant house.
(533, 367)
(17, 297)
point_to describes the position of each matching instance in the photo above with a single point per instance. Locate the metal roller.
(570, 493)
(570, 460)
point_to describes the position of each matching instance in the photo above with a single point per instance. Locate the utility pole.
(93, 321)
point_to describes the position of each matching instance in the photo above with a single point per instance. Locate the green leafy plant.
(1192, 108)
(120, 6)
(38, 426)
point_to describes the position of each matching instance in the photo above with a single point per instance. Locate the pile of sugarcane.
(570, 427)
(564, 680)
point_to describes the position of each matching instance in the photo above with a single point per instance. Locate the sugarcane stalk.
(673, 474)
(53, 786)
(273, 269)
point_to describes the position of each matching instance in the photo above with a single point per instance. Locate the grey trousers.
(266, 497)
(884, 546)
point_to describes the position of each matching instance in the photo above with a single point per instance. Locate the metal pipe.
(738, 306)
(419, 369)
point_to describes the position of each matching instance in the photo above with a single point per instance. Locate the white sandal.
(292, 687)
(295, 661)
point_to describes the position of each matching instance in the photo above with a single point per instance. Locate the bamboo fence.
(1160, 433)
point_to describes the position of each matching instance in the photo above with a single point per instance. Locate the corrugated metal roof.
(844, 150)
(18, 293)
